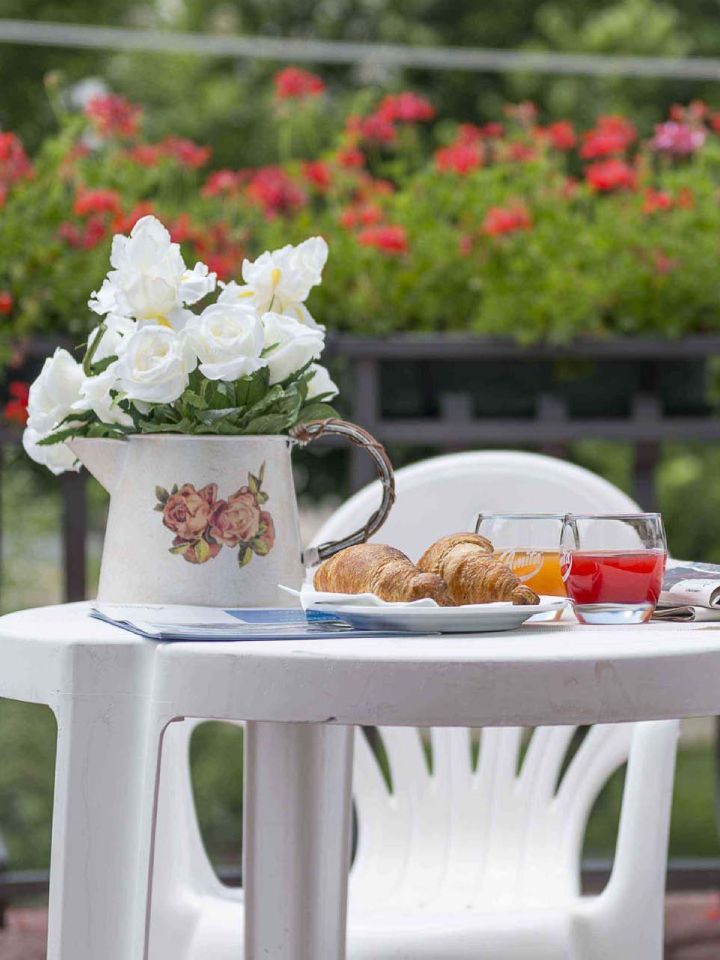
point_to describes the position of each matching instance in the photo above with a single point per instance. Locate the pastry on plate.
(473, 574)
(381, 570)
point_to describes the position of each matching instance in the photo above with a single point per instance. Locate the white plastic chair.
(459, 863)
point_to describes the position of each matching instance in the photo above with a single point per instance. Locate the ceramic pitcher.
(210, 520)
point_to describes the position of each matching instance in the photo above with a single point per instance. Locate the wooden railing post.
(365, 406)
(74, 535)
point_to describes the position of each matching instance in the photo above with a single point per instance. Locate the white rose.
(228, 340)
(117, 330)
(298, 311)
(51, 398)
(95, 395)
(156, 364)
(197, 283)
(289, 345)
(321, 384)
(150, 281)
(54, 391)
(57, 458)
(282, 277)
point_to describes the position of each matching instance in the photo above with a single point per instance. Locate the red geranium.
(377, 129)
(389, 238)
(459, 157)
(351, 157)
(561, 135)
(16, 408)
(14, 162)
(406, 107)
(294, 83)
(6, 302)
(499, 220)
(519, 152)
(96, 201)
(186, 152)
(272, 189)
(113, 115)
(608, 175)
(612, 135)
(656, 200)
(146, 154)
(318, 174)
(222, 182)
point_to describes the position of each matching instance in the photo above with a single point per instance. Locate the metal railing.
(551, 428)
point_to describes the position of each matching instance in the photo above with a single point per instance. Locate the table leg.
(95, 864)
(298, 780)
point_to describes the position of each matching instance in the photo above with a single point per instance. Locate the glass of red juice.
(613, 565)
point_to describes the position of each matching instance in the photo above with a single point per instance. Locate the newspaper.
(177, 622)
(690, 592)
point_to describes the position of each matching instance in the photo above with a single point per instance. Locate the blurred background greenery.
(212, 100)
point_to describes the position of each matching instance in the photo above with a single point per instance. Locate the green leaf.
(179, 549)
(244, 555)
(253, 483)
(262, 497)
(175, 488)
(261, 474)
(316, 410)
(159, 507)
(162, 494)
(261, 547)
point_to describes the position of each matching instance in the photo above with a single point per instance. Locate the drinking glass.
(529, 543)
(613, 565)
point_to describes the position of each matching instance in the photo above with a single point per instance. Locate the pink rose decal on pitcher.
(203, 525)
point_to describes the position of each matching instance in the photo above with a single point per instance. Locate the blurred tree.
(215, 99)
(23, 104)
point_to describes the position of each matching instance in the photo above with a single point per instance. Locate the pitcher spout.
(103, 458)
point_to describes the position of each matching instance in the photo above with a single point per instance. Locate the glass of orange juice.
(529, 543)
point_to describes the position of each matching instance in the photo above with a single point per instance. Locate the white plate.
(475, 618)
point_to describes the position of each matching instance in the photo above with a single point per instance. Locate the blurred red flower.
(388, 238)
(14, 162)
(561, 135)
(612, 135)
(377, 129)
(146, 154)
(97, 201)
(607, 175)
(499, 220)
(318, 174)
(519, 152)
(186, 152)
(6, 302)
(407, 107)
(222, 182)
(351, 157)
(294, 83)
(656, 200)
(272, 189)
(460, 157)
(16, 408)
(113, 115)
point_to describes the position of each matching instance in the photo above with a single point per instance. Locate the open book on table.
(174, 622)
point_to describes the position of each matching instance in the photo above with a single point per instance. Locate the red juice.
(615, 576)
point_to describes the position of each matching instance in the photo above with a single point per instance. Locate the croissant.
(472, 573)
(384, 571)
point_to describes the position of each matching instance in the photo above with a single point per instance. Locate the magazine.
(690, 592)
(163, 622)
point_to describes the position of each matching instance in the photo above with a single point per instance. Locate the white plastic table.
(116, 693)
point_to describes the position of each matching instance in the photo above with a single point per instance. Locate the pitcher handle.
(305, 433)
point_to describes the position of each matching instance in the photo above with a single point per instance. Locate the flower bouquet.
(240, 366)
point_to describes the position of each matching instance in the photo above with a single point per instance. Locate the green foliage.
(413, 243)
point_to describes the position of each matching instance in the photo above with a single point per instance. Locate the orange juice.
(539, 569)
